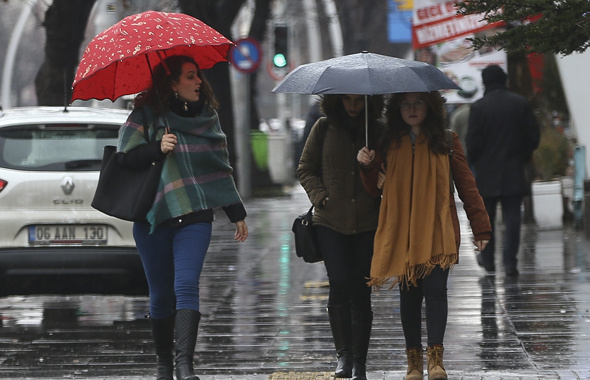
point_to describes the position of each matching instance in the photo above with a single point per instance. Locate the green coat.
(349, 209)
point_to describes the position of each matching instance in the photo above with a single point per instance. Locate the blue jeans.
(172, 259)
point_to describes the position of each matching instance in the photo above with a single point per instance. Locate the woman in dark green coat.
(346, 218)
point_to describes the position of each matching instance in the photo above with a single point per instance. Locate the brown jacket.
(466, 188)
(349, 209)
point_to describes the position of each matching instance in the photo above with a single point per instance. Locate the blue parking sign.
(246, 55)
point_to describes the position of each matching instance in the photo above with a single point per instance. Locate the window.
(55, 147)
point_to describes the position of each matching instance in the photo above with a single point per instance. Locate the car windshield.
(52, 147)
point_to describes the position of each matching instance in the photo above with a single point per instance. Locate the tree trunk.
(219, 15)
(65, 23)
(519, 81)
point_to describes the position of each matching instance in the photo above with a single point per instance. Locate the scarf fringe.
(413, 273)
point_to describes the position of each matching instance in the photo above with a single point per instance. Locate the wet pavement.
(264, 315)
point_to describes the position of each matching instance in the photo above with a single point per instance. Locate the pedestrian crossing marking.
(301, 376)
(320, 297)
(316, 284)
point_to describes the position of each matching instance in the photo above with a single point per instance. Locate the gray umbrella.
(364, 74)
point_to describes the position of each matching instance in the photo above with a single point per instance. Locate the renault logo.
(67, 185)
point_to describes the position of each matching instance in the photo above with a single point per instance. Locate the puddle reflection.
(264, 310)
(83, 310)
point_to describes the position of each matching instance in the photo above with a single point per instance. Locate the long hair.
(333, 108)
(433, 125)
(159, 94)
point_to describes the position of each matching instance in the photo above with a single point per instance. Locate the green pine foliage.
(561, 27)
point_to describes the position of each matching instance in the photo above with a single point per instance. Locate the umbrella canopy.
(119, 60)
(364, 74)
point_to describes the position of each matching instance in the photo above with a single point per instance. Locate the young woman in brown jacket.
(417, 241)
(345, 219)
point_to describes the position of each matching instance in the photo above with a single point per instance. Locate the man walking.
(501, 138)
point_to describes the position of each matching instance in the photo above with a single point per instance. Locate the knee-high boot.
(362, 322)
(341, 325)
(163, 335)
(186, 326)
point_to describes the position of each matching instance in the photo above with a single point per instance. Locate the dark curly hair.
(159, 94)
(333, 107)
(433, 126)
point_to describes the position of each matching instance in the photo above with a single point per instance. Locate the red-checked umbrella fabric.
(115, 63)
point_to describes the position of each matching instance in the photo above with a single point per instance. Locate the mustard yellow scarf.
(415, 231)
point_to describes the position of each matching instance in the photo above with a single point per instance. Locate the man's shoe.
(511, 272)
(481, 263)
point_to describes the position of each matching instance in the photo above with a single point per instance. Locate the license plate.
(65, 234)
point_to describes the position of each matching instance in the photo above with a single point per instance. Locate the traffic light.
(280, 57)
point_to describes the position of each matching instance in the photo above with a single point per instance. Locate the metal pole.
(241, 84)
(243, 139)
(107, 14)
(313, 30)
(334, 27)
(11, 55)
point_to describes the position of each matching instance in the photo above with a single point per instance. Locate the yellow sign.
(405, 5)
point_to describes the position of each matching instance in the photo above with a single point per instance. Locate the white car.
(50, 159)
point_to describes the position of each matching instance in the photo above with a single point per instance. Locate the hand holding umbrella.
(365, 156)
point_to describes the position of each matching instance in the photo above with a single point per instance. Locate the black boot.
(186, 325)
(341, 324)
(163, 334)
(362, 322)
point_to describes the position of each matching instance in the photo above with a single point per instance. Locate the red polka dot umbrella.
(119, 60)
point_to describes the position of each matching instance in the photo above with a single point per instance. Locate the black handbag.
(123, 192)
(306, 243)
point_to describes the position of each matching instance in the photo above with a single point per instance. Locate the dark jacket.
(349, 209)
(501, 138)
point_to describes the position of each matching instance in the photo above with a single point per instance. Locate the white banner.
(440, 38)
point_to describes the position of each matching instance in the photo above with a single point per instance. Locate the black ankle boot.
(163, 335)
(362, 322)
(186, 326)
(341, 325)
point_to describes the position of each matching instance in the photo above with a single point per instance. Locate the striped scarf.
(196, 175)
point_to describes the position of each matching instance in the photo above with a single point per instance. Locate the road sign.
(246, 55)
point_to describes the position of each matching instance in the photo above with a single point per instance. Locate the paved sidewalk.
(264, 316)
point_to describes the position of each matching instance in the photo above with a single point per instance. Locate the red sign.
(437, 21)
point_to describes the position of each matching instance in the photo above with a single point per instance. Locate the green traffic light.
(279, 60)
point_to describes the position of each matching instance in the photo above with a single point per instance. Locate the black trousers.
(431, 289)
(348, 263)
(511, 214)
